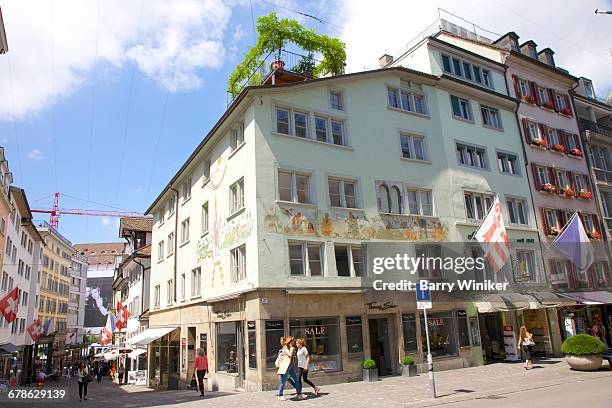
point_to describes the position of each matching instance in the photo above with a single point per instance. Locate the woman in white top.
(527, 343)
(82, 374)
(303, 362)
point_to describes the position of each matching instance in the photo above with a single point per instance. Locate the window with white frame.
(238, 263)
(534, 133)
(390, 199)
(490, 117)
(282, 121)
(207, 164)
(579, 181)
(409, 100)
(237, 135)
(349, 260)
(524, 87)
(461, 108)
(472, 156)
(185, 231)
(429, 269)
(562, 180)
(204, 225)
(553, 137)
(508, 163)
(336, 99)
(560, 101)
(550, 216)
(171, 205)
(543, 175)
(343, 192)
(170, 244)
(525, 270)
(517, 211)
(413, 147)
(477, 205)
(420, 202)
(589, 222)
(169, 291)
(196, 282)
(306, 258)
(466, 70)
(237, 196)
(300, 124)
(543, 95)
(487, 80)
(294, 186)
(160, 250)
(186, 189)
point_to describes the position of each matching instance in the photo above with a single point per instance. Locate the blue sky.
(86, 85)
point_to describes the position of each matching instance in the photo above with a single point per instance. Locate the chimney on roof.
(385, 60)
(546, 56)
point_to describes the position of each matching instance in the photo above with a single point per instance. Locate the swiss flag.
(35, 330)
(122, 316)
(9, 305)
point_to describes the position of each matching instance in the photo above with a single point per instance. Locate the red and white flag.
(122, 316)
(493, 238)
(9, 305)
(35, 330)
(108, 330)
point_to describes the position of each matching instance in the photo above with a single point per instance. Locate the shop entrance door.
(380, 349)
(491, 333)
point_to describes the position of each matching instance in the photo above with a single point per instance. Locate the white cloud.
(52, 45)
(579, 38)
(35, 154)
(105, 221)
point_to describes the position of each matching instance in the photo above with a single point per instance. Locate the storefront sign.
(274, 324)
(314, 331)
(203, 341)
(380, 306)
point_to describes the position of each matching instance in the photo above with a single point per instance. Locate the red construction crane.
(56, 212)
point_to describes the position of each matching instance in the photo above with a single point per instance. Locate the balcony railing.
(276, 60)
(586, 124)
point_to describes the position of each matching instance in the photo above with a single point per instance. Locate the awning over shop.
(9, 348)
(111, 355)
(149, 335)
(505, 302)
(598, 297)
(135, 353)
(549, 299)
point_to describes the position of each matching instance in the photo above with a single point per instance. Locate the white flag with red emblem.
(122, 316)
(493, 238)
(9, 305)
(35, 330)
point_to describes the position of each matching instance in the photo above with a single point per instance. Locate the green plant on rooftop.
(274, 34)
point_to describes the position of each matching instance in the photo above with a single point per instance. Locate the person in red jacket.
(201, 367)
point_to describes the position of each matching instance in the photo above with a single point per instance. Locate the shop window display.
(274, 330)
(441, 334)
(227, 340)
(322, 337)
(354, 335)
(252, 336)
(410, 334)
(464, 334)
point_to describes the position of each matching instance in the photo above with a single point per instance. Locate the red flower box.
(529, 99)
(585, 195)
(567, 192)
(566, 111)
(550, 105)
(549, 188)
(594, 235)
(539, 142)
(576, 152)
(558, 147)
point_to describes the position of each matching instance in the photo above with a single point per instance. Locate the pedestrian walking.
(201, 367)
(286, 368)
(303, 362)
(121, 373)
(527, 343)
(83, 379)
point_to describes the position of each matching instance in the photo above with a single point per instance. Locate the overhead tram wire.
(92, 110)
(95, 202)
(333, 26)
(128, 108)
(10, 74)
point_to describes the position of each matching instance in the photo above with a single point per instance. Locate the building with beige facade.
(54, 296)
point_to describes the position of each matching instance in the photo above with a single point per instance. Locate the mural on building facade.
(352, 225)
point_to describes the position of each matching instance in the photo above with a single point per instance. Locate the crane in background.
(55, 212)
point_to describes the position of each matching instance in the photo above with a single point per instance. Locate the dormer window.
(588, 89)
(532, 51)
(514, 45)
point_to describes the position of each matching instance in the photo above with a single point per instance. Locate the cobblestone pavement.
(491, 382)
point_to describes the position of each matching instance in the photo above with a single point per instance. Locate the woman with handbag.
(83, 379)
(286, 369)
(527, 343)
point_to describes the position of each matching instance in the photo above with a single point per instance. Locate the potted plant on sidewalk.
(370, 371)
(583, 352)
(409, 369)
